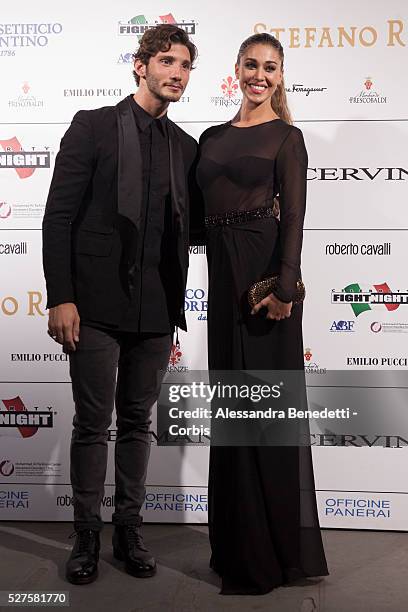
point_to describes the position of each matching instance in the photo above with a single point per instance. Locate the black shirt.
(148, 310)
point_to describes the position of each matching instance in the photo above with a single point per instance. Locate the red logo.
(12, 144)
(308, 354)
(229, 87)
(16, 405)
(167, 18)
(26, 88)
(175, 354)
(368, 83)
(384, 288)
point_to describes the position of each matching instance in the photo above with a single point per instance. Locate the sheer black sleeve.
(291, 169)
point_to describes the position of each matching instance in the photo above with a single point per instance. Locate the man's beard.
(153, 86)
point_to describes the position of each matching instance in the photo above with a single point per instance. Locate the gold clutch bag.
(260, 290)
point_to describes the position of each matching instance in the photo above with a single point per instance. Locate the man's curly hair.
(160, 38)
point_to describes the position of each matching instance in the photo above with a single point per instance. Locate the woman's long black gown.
(263, 522)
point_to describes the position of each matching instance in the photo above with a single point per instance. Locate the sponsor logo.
(368, 95)
(394, 328)
(357, 174)
(21, 210)
(26, 99)
(317, 439)
(304, 89)
(108, 501)
(125, 58)
(310, 365)
(157, 501)
(196, 302)
(337, 248)
(374, 362)
(66, 501)
(30, 469)
(137, 26)
(5, 210)
(359, 440)
(24, 162)
(360, 507)
(6, 468)
(176, 502)
(98, 92)
(10, 305)
(200, 249)
(308, 355)
(17, 35)
(27, 422)
(362, 301)
(229, 87)
(391, 35)
(13, 248)
(45, 357)
(17, 500)
(175, 354)
(229, 90)
(342, 326)
(175, 360)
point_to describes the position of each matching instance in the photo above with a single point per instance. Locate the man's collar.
(143, 119)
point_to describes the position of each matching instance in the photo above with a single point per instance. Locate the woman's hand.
(277, 310)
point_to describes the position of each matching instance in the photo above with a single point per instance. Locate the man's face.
(167, 73)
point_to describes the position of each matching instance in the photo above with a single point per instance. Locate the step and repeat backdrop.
(344, 75)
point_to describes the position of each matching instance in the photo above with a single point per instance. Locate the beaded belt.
(238, 216)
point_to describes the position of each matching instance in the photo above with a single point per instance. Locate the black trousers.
(139, 361)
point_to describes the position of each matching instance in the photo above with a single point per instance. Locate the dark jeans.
(139, 360)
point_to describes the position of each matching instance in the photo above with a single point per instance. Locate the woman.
(263, 522)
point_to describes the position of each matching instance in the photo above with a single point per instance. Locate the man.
(115, 250)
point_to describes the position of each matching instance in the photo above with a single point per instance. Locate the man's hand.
(63, 325)
(277, 310)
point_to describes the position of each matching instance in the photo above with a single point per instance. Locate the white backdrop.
(345, 79)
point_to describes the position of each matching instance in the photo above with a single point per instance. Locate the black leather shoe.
(82, 565)
(128, 546)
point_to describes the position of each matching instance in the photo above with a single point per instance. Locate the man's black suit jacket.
(92, 218)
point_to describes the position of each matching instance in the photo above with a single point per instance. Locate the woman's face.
(259, 72)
